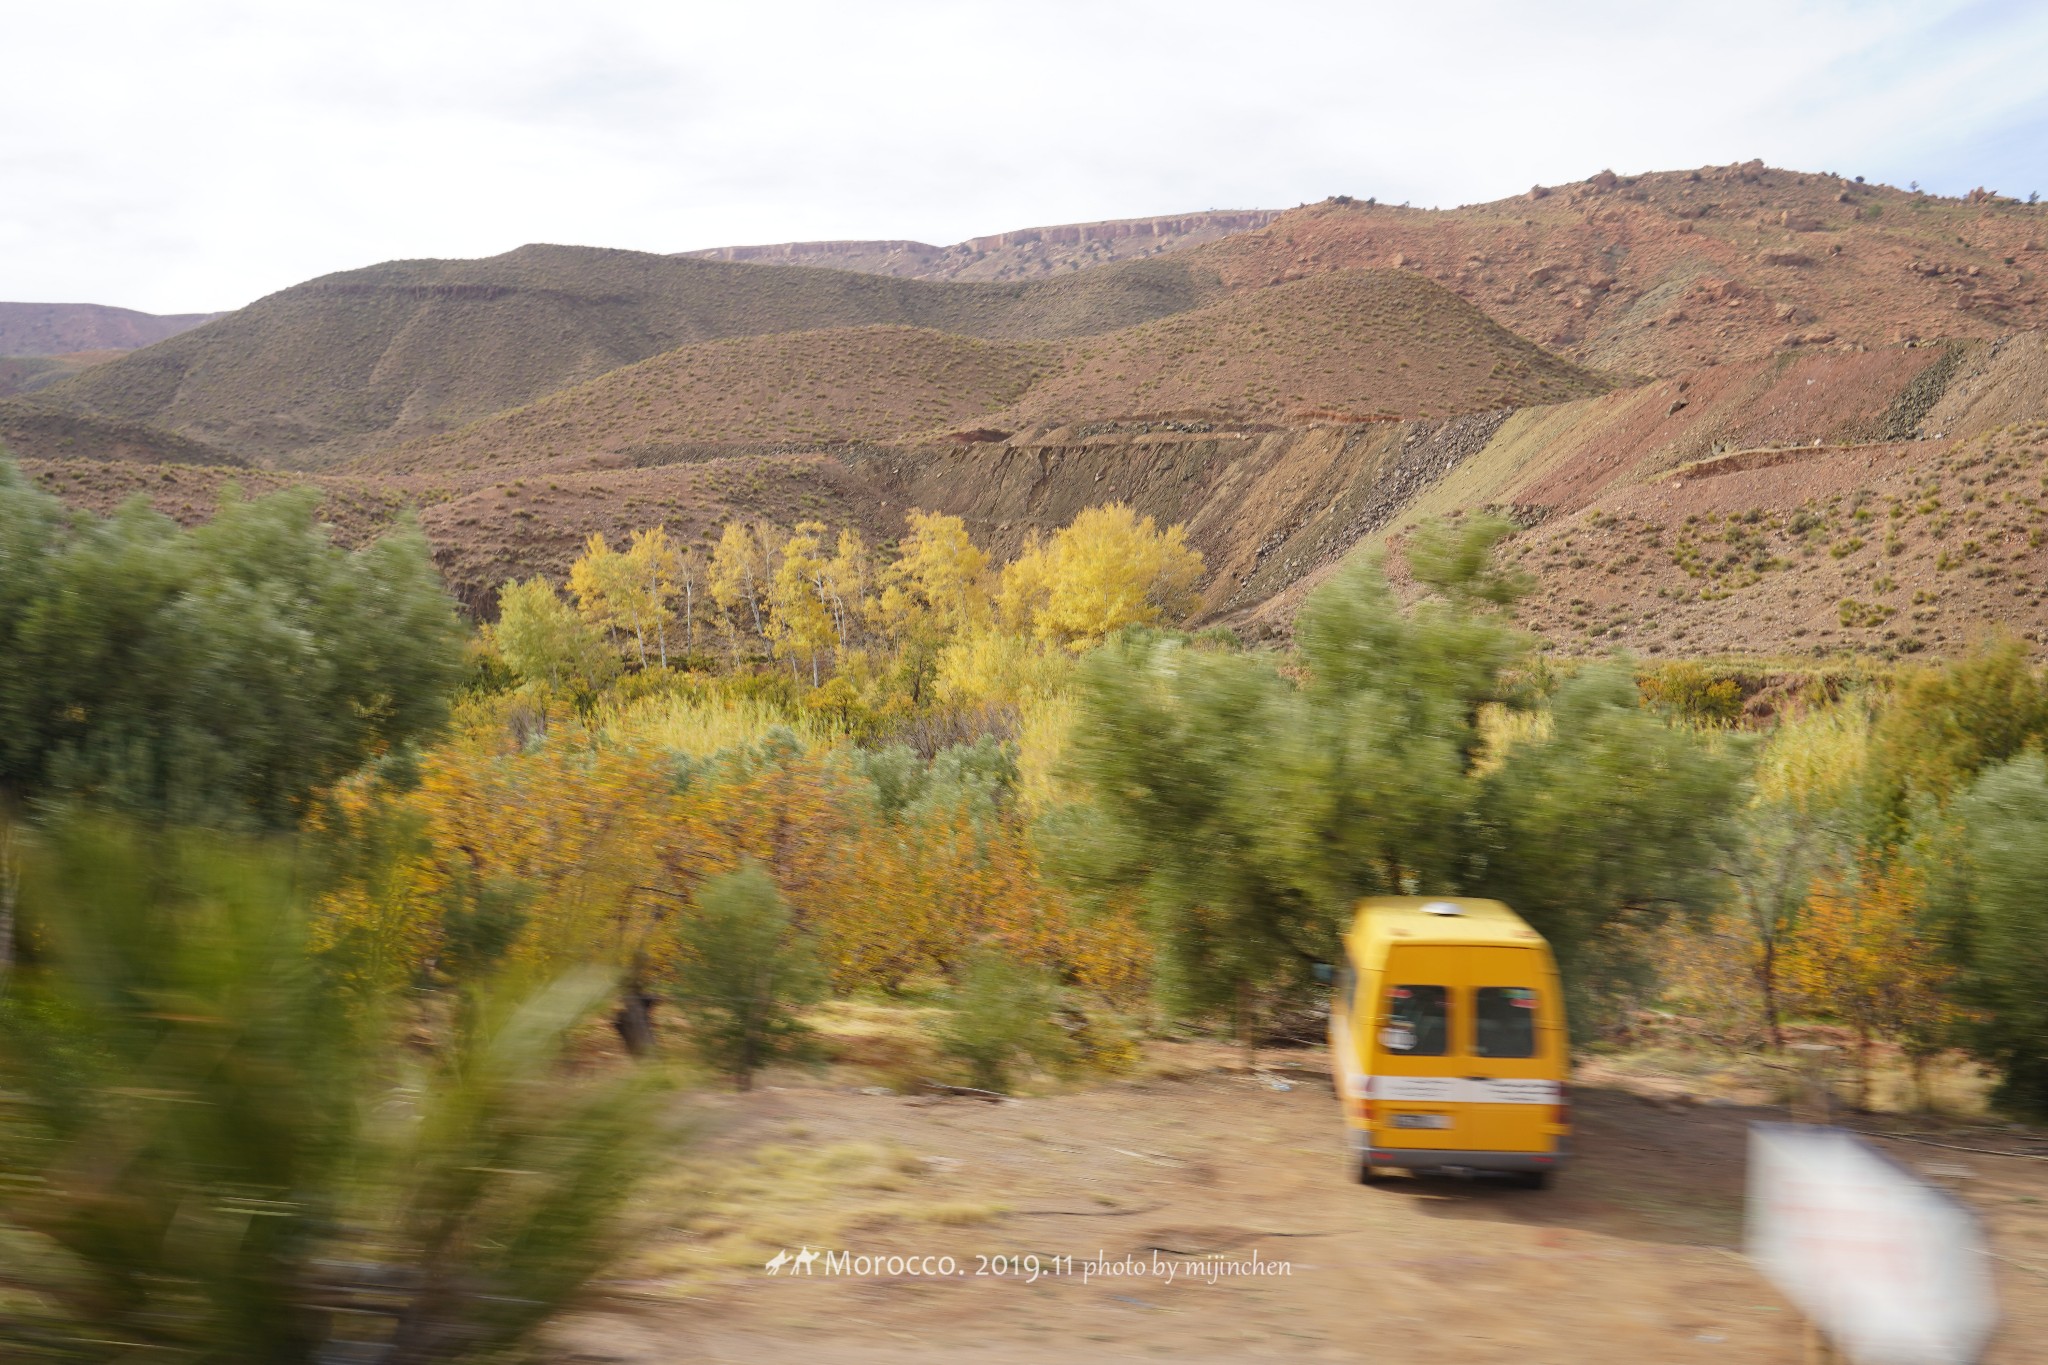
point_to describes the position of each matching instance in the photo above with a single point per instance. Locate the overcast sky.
(194, 156)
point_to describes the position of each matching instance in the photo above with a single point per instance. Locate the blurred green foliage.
(1003, 1013)
(220, 674)
(745, 970)
(1253, 807)
(1985, 860)
(1942, 726)
(212, 1155)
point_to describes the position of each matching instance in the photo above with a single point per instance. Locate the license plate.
(1422, 1120)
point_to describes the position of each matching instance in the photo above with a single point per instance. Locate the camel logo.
(799, 1264)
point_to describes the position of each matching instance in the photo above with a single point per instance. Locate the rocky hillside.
(1025, 254)
(1653, 274)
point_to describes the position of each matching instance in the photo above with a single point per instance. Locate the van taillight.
(1561, 1114)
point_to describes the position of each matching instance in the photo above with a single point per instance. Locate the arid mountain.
(347, 363)
(1656, 515)
(1348, 346)
(1654, 274)
(67, 328)
(26, 428)
(1735, 410)
(1029, 253)
(1352, 346)
(841, 385)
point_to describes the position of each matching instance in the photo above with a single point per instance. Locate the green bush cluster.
(221, 674)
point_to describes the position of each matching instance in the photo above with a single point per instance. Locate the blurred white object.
(1893, 1270)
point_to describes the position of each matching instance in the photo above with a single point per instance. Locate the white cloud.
(189, 157)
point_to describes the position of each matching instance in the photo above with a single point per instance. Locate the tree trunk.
(1862, 1066)
(634, 1021)
(1767, 971)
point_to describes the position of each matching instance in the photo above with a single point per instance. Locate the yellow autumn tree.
(600, 580)
(937, 581)
(1107, 569)
(738, 579)
(799, 614)
(690, 578)
(655, 565)
(935, 590)
(1860, 956)
(627, 592)
(848, 582)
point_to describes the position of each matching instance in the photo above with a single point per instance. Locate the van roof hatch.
(1442, 908)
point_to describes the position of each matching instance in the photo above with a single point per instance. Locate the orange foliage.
(1860, 956)
(613, 839)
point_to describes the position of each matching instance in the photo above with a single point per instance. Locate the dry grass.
(716, 1214)
(699, 729)
(892, 1046)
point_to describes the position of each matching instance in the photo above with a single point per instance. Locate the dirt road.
(1631, 1257)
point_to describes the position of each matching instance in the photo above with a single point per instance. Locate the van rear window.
(1418, 1021)
(1504, 1022)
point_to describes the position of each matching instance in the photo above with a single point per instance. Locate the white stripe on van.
(1462, 1090)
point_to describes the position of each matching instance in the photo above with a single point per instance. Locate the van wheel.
(1533, 1180)
(1369, 1174)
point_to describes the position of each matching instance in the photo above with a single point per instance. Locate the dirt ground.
(1633, 1254)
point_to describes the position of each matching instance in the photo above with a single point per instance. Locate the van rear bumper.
(1433, 1159)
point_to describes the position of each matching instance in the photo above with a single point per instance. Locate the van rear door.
(1410, 1035)
(1514, 1055)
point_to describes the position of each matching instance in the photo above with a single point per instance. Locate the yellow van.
(1447, 1040)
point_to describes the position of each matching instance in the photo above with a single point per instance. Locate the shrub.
(1987, 859)
(1002, 1013)
(745, 972)
(1691, 692)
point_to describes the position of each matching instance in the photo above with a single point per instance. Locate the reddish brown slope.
(844, 384)
(1344, 346)
(1669, 271)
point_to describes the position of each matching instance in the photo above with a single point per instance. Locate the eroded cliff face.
(1265, 508)
(1274, 510)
